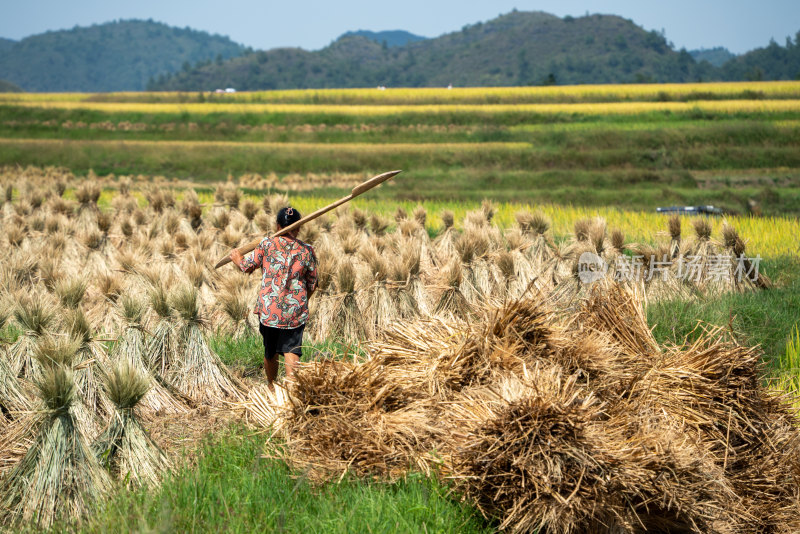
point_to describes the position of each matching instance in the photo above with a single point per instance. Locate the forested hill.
(519, 48)
(6, 87)
(6, 44)
(773, 62)
(117, 56)
(391, 37)
(717, 56)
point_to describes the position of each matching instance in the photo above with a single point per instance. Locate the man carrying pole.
(288, 279)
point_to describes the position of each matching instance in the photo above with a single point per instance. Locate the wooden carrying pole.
(358, 190)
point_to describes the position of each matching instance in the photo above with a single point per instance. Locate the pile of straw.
(354, 417)
(556, 420)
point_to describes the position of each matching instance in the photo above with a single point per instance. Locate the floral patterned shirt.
(289, 275)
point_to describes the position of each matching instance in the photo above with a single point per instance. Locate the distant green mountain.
(8, 87)
(774, 62)
(717, 56)
(520, 48)
(392, 38)
(117, 56)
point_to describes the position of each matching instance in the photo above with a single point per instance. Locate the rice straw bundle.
(360, 219)
(411, 258)
(198, 372)
(542, 250)
(162, 345)
(534, 460)
(88, 193)
(674, 226)
(62, 352)
(378, 225)
(125, 448)
(320, 314)
(273, 203)
(13, 397)
(403, 291)
(232, 299)
(20, 272)
(71, 292)
(505, 340)
(378, 306)
(400, 214)
(59, 476)
(131, 348)
(451, 302)
(91, 352)
(348, 321)
(444, 242)
(35, 317)
(350, 240)
(344, 417)
(51, 273)
(110, 285)
(743, 273)
(16, 437)
(618, 311)
(758, 448)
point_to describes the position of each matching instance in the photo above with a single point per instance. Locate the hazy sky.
(739, 25)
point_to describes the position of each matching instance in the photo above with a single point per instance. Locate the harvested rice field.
(472, 363)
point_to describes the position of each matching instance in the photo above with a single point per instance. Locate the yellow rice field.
(586, 109)
(494, 95)
(769, 237)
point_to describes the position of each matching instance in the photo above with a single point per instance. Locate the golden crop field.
(590, 109)
(458, 95)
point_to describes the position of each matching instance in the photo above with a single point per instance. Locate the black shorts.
(281, 340)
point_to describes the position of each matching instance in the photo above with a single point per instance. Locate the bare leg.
(290, 360)
(271, 370)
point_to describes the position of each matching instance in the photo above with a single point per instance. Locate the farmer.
(288, 279)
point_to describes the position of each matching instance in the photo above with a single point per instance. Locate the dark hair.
(287, 216)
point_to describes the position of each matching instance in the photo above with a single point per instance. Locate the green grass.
(246, 353)
(790, 361)
(659, 158)
(9, 333)
(233, 489)
(407, 116)
(50, 124)
(500, 172)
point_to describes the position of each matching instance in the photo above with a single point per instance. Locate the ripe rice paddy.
(475, 110)
(458, 95)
